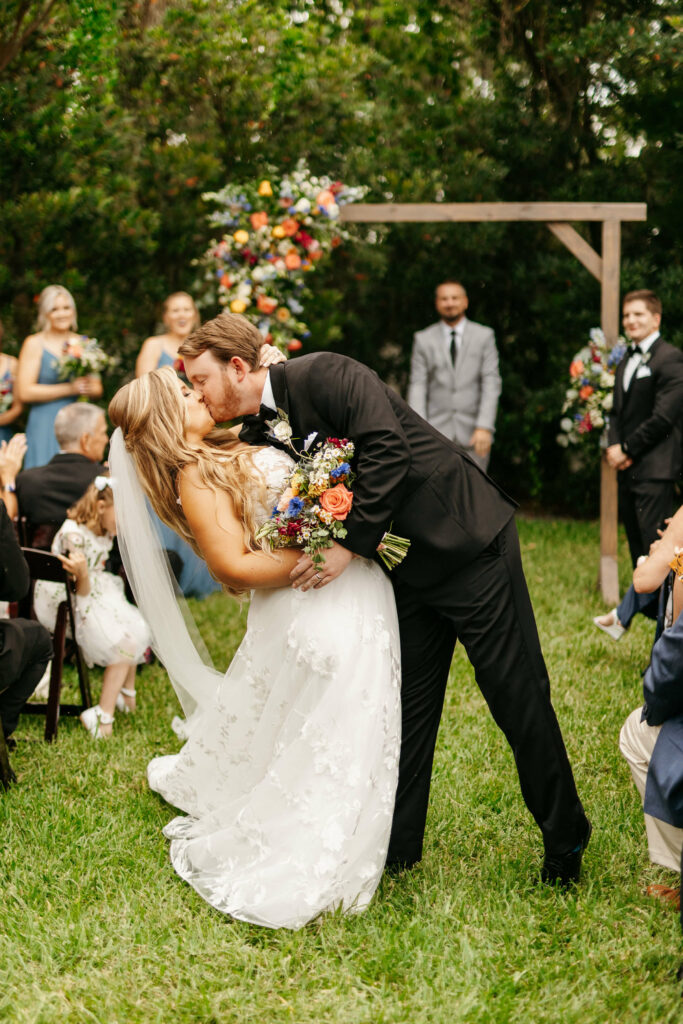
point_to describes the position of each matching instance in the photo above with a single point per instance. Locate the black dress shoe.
(564, 869)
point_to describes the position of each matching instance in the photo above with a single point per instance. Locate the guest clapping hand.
(38, 373)
(12, 454)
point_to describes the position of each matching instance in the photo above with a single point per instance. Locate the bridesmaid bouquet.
(82, 358)
(317, 498)
(6, 395)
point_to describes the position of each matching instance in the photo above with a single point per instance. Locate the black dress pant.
(644, 505)
(486, 606)
(25, 650)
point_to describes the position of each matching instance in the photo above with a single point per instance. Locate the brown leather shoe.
(666, 894)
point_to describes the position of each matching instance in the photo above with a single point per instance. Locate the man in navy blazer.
(651, 740)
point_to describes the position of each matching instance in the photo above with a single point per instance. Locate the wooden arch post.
(606, 268)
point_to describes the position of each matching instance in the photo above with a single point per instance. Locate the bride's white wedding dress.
(288, 776)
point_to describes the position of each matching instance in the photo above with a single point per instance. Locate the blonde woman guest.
(181, 317)
(38, 382)
(10, 406)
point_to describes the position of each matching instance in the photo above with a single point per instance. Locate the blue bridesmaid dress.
(195, 579)
(7, 431)
(40, 433)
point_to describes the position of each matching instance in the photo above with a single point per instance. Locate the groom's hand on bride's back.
(304, 575)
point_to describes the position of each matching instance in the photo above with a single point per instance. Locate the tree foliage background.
(116, 116)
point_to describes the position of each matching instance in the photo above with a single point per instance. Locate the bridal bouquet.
(274, 232)
(588, 400)
(82, 358)
(317, 498)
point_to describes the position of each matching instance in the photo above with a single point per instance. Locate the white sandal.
(120, 702)
(92, 718)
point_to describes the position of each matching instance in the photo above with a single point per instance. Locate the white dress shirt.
(636, 359)
(268, 398)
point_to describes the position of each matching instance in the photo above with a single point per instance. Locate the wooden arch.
(606, 268)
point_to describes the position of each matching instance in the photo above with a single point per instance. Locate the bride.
(288, 775)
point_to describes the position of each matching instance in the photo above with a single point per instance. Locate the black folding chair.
(45, 566)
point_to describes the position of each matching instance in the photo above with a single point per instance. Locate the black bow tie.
(266, 413)
(635, 350)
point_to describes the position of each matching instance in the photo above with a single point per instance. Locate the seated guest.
(651, 739)
(25, 646)
(44, 493)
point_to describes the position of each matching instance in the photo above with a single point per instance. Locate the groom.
(462, 578)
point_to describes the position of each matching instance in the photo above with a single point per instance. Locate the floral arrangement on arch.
(275, 232)
(588, 400)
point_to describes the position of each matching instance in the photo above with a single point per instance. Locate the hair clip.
(101, 483)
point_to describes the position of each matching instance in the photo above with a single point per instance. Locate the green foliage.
(115, 117)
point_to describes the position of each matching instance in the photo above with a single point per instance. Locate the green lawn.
(97, 927)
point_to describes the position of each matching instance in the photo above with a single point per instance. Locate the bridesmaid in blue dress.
(10, 406)
(181, 317)
(37, 381)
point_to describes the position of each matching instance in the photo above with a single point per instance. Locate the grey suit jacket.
(457, 399)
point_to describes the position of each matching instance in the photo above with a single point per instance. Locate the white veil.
(183, 655)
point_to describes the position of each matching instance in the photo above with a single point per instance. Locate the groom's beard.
(228, 404)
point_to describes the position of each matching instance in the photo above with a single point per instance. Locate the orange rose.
(292, 260)
(324, 198)
(576, 368)
(585, 392)
(225, 280)
(290, 226)
(259, 219)
(266, 305)
(337, 501)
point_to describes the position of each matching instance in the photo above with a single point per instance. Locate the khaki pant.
(637, 741)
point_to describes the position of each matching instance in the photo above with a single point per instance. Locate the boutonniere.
(645, 358)
(279, 429)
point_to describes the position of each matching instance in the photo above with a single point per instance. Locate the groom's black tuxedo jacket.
(410, 478)
(647, 419)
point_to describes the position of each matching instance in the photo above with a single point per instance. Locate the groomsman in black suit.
(645, 428)
(645, 436)
(462, 578)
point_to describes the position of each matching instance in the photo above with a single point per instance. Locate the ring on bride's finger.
(319, 577)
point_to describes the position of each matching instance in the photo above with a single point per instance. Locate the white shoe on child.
(120, 702)
(610, 624)
(93, 718)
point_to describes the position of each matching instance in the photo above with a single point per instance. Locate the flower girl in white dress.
(289, 772)
(109, 629)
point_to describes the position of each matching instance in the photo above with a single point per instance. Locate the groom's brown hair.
(226, 336)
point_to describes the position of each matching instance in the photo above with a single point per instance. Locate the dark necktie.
(454, 350)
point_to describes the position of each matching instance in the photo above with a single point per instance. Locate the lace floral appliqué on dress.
(288, 781)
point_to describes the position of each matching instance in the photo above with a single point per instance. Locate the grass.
(96, 926)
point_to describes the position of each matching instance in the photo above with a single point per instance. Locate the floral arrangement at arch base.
(588, 399)
(276, 230)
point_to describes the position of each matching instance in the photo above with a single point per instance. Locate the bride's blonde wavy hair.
(151, 413)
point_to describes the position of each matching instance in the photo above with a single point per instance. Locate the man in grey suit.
(454, 378)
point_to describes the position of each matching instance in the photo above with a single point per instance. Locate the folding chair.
(45, 566)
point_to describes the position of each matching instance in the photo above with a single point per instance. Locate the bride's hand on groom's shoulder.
(271, 354)
(304, 575)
